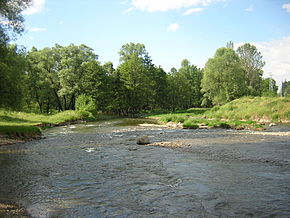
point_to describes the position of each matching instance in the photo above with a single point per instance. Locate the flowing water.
(98, 170)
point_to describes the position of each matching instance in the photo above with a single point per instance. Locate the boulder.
(143, 140)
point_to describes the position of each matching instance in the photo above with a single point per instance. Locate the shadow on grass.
(13, 119)
(20, 131)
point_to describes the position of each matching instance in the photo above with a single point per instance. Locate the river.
(98, 170)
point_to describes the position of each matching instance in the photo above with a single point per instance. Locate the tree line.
(71, 77)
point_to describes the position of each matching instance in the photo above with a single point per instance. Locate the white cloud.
(173, 27)
(61, 22)
(31, 38)
(277, 57)
(250, 9)
(36, 7)
(37, 29)
(166, 5)
(193, 10)
(287, 7)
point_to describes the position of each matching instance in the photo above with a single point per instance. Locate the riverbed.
(98, 170)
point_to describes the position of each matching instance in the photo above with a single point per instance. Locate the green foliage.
(85, 103)
(269, 88)
(12, 73)
(11, 18)
(252, 64)
(68, 77)
(285, 92)
(184, 87)
(190, 124)
(57, 75)
(137, 84)
(224, 77)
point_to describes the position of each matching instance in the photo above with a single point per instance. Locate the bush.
(85, 103)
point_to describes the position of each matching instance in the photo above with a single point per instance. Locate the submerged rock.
(143, 140)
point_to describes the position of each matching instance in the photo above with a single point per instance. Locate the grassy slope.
(241, 114)
(271, 109)
(24, 125)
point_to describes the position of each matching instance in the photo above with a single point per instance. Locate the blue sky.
(171, 30)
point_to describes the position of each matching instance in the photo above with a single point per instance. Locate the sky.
(171, 30)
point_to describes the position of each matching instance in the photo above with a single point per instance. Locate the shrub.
(85, 103)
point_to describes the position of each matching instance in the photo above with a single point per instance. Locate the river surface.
(98, 170)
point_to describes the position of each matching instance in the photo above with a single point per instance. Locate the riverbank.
(247, 113)
(21, 127)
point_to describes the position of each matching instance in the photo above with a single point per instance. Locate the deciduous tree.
(252, 63)
(224, 78)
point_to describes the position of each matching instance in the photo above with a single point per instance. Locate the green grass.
(22, 132)
(21, 124)
(271, 109)
(9, 118)
(243, 113)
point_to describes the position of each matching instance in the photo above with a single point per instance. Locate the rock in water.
(272, 124)
(143, 140)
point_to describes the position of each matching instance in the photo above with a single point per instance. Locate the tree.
(11, 58)
(269, 87)
(133, 77)
(252, 63)
(72, 57)
(139, 78)
(192, 76)
(159, 87)
(43, 80)
(11, 19)
(285, 91)
(224, 78)
(95, 84)
(184, 86)
(131, 49)
(56, 75)
(12, 74)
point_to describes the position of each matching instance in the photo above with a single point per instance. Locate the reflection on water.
(98, 170)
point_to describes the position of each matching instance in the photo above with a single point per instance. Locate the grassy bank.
(244, 113)
(22, 125)
(265, 109)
